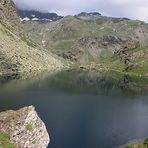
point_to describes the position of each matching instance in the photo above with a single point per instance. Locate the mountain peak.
(89, 14)
(35, 15)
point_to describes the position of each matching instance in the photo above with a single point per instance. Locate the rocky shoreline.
(136, 144)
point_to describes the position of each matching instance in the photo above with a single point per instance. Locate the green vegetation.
(20, 56)
(29, 127)
(28, 41)
(10, 28)
(94, 39)
(34, 142)
(134, 23)
(64, 46)
(7, 32)
(5, 141)
(142, 144)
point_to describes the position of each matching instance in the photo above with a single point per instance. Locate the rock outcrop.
(25, 128)
(110, 42)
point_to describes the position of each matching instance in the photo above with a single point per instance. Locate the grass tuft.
(5, 141)
(29, 127)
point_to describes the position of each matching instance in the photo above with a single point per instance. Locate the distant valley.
(92, 40)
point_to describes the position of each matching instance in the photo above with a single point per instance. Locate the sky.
(134, 9)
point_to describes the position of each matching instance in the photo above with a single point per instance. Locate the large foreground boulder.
(24, 128)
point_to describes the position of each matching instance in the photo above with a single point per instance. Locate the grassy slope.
(71, 28)
(138, 65)
(21, 56)
(63, 36)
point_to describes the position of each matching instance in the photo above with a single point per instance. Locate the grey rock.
(25, 128)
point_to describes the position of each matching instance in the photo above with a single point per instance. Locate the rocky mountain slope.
(18, 54)
(8, 16)
(115, 43)
(22, 128)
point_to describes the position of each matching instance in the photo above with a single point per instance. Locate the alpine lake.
(83, 109)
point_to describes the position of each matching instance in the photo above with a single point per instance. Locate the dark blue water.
(83, 110)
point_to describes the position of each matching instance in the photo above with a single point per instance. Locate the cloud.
(135, 9)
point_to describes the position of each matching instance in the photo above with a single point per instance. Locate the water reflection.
(91, 81)
(80, 81)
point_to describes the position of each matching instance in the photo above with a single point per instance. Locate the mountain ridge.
(113, 43)
(35, 15)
